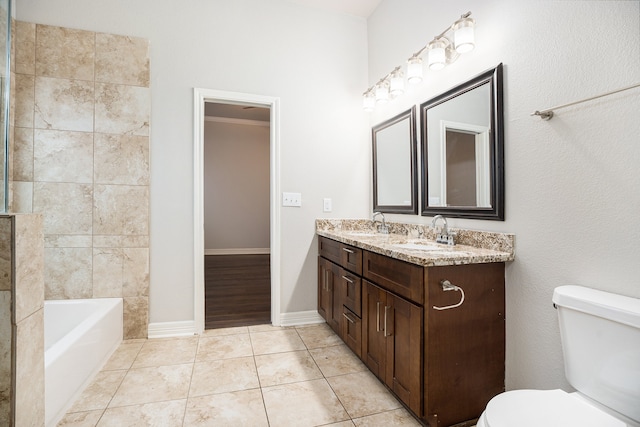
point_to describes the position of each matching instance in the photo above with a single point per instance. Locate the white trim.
(300, 318)
(245, 122)
(171, 329)
(199, 97)
(238, 251)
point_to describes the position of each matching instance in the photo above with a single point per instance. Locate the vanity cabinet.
(443, 364)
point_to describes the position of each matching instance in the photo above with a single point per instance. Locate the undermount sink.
(414, 246)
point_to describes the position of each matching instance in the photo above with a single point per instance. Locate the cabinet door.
(402, 328)
(352, 331)
(373, 341)
(325, 303)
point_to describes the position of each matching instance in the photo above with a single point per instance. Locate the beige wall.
(81, 158)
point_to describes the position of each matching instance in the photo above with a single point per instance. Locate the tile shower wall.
(81, 158)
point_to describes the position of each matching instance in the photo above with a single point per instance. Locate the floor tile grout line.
(264, 404)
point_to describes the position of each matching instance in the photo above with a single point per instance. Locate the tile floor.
(248, 376)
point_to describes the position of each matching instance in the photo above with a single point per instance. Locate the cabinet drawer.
(351, 289)
(402, 278)
(352, 331)
(347, 256)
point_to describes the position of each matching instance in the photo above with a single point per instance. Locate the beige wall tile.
(67, 241)
(63, 104)
(121, 209)
(6, 237)
(25, 47)
(122, 59)
(21, 197)
(5, 357)
(23, 155)
(62, 156)
(28, 265)
(107, 273)
(68, 273)
(135, 272)
(24, 100)
(64, 52)
(120, 241)
(66, 207)
(136, 317)
(121, 159)
(122, 109)
(29, 398)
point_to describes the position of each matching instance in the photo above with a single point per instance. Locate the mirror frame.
(493, 77)
(413, 162)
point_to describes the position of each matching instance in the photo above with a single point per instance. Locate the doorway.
(203, 97)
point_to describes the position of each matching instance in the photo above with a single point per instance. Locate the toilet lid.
(549, 408)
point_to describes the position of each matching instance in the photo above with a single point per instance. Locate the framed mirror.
(462, 134)
(395, 165)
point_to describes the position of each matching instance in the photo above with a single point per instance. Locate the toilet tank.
(600, 334)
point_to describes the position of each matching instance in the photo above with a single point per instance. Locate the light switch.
(326, 207)
(292, 199)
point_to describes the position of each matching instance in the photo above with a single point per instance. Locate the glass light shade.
(396, 86)
(368, 102)
(437, 54)
(414, 70)
(463, 35)
(382, 92)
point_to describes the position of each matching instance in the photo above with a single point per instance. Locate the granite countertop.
(415, 243)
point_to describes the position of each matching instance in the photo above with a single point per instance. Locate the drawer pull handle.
(348, 318)
(448, 286)
(348, 250)
(348, 279)
(378, 316)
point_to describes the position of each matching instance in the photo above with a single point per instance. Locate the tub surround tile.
(136, 317)
(99, 393)
(107, 273)
(165, 414)
(153, 384)
(6, 332)
(337, 360)
(25, 47)
(276, 342)
(121, 210)
(62, 156)
(222, 376)
(6, 245)
(24, 100)
(67, 207)
(395, 418)
(304, 403)
(166, 352)
(121, 241)
(135, 272)
(28, 265)
(22, 155)
(63, 104)
(223, 347)
(67, 241)
(121, 109)
(64, 52)
(122, 59)
(283, 368)
(349, 389)
(68, 273)
(29, 371)
(124, 355)
(239, 408)
(21, 197)
(121, 159)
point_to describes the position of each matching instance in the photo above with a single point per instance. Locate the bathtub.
(79, 336)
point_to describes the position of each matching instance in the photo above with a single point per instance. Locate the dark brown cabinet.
(445, 365)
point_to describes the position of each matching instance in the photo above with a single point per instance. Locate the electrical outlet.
(326, 206)
(292, 199)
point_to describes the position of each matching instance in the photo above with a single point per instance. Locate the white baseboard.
(300, 318)
(171, 329)
(238, 251)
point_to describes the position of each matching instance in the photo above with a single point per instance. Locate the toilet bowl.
(600, 335)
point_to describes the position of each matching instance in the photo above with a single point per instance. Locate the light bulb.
(396, 85)
(414, 70)
(382, 92)
(463, 35)
(437, 54)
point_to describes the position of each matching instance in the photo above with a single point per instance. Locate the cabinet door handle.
(386, 329)
(348, 318)
(347, 250)
(378, 316)
(348, 279)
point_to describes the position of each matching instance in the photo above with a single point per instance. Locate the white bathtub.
(79, 337)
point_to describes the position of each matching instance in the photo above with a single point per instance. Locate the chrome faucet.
(383, 227)
(444, 235)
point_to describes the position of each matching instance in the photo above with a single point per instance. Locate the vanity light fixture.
(444, 49)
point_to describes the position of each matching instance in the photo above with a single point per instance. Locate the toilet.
(600, 334)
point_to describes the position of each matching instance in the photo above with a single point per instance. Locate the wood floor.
(237, 290)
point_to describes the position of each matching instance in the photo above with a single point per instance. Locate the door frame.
(200, 96)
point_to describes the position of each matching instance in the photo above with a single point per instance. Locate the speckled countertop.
(415, 243)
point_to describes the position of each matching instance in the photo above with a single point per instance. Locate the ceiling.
(362, 8)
